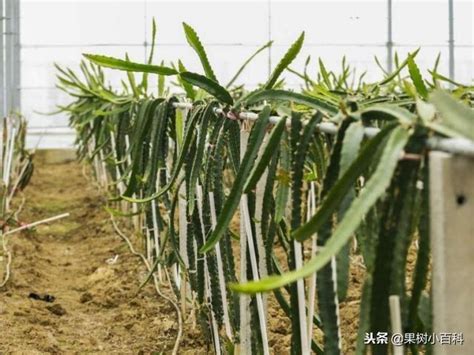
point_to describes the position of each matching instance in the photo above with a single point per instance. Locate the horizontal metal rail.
(459, 146)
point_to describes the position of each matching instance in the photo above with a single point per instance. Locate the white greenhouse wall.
(59, 31)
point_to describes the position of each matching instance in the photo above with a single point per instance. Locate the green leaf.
(373, 190)
(131, 80)
(389, 111)
(283, 178)
(289, 56)
(153, 38)
(284, 95)
(208, 85)
(398, 70)
(416, 77)
(350, 149)
(453, 114)
(183, 155)
(188, 88)
(232, 202)
(120, 64)
(195, 43)
(324, 74)
(241, 69)
(150, 57)
(200, 147)
(337, 193)
(438, 76)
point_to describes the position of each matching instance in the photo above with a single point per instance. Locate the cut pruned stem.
(18, 179)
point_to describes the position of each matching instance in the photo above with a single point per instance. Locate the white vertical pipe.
(120, 185)
(149, 246)
(104, 170)
(336, 300)
(396, 321)
(245, 331)
(312, 280)
(298, 247)
(301, 299)
(259, 195)
(185, 289)
(156, 236)
(254, 265)
(135, 218)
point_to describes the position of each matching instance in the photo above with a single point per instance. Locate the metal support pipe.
(460, 146)
(16, 56)
(8, 56)
(389, 37)
(11, 67)
(451, 38)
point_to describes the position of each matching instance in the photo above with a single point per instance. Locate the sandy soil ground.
(95, 308)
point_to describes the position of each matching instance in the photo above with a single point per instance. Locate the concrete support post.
(452, 232)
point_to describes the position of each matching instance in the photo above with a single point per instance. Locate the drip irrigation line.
(4, 240)
(461, 146)
(34, 224)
